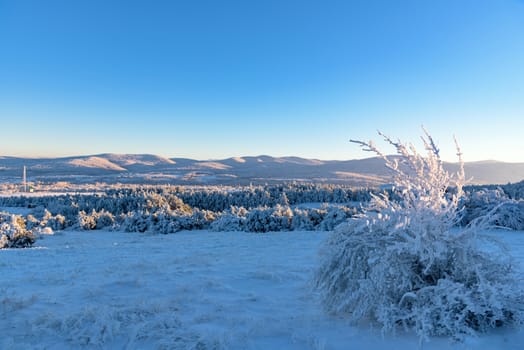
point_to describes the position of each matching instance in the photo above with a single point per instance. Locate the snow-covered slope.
(96, 162)
(126, 160)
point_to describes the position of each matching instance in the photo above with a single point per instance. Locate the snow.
(214, 165)
(198, 290)
(96, 162)
(138, 159)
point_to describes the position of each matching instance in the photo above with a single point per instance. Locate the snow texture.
(191, 290)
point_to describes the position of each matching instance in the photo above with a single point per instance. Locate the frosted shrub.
(503, 212)
(515, 191)
(56, 223)
(135, 222)
(230, 220)
(281, 218)
(304, 220)
(335, 216)
(164, 221)
(31, 222)
(266, 219)
(404, 263)
(104, 220)
(481, 202)
(13, 232)
(93, 221)
(510, 215)
(258, 220)
(87, 221)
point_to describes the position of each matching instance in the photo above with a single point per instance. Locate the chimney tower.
(25, 179)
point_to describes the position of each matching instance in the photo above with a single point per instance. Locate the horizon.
(236, 157)
(210, 80)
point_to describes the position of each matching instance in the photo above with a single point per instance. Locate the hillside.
(146, 168)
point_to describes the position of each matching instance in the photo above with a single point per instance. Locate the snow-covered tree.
(403, 262)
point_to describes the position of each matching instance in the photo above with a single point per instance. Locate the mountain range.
(147, 168)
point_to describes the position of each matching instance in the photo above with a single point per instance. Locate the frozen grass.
(191, 290)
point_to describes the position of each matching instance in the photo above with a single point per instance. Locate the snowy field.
(190, 290)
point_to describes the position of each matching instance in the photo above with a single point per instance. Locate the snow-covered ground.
(191, 290)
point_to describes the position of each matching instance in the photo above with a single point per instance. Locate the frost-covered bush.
(404, 263)
(481, 202)
(307, 219)
(515, 191)
(104, 219)
(258, 220)
(135, 222)
(87, 221)
(13, 232)
(165, 220)
(47, 219)
(281, 218)
(334, 217)
(510, 215)
(267, 219)
(56, 222)
(230, 220)
(503, 212)
(94, 220)
(31, 222)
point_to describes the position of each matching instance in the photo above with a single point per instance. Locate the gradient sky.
(215, 79)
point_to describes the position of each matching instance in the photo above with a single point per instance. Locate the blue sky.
(214, 79)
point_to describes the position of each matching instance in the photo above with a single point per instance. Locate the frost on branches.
(405, 263)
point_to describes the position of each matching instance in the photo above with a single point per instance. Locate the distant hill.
(147, 168)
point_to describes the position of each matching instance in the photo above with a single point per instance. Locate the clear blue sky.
(214, 79)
